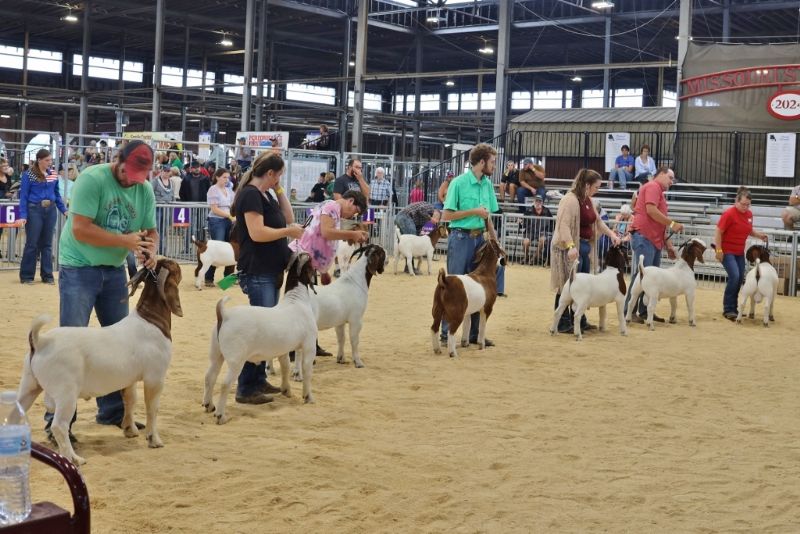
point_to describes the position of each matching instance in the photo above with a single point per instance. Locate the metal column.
(361, 69)
(250, 23)
(684, 31)
(83, 118)
(607, 60)
(343, 93)
(417, 99)
(660, 89)
(726, 21)
(262, 63)
(506, 8)
(185, 77)
(155, 123)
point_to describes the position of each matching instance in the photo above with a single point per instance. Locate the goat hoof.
(437, 350)
(221, 418)
(209, 407)
(772, 318)
(358, 364)
(766, 325)
(578, 338)
(154, 442)
(751, 316)
(308, 399)
(652, 328)
(297, 377)
(692, 324)
(552, 331)
(465, 343)
(623, 332)
(77, 460)
(131, 431)
(286, 392)
(672, 320)
(453, 355)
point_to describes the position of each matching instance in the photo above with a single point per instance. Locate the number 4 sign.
(180, 217)
(9, 216)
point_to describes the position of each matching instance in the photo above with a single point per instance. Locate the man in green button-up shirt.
(468, 207)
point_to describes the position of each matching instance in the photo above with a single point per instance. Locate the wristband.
(280, 191)
(671, 224)
(719, 250)
(570, 245)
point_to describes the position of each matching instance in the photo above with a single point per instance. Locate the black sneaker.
(269, 388)
(323, 352)
(731, 316)
(564, 328)
(487, 342)
(257, 398)
(658, 319)
(139, 425)
(588, 327)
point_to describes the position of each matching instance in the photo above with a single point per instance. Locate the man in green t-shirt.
(112, 212)
(468, 206)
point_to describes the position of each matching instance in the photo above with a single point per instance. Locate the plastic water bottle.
(15, 461)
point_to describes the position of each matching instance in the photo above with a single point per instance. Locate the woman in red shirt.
(733, 229)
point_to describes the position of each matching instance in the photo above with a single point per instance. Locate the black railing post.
(736, 158)
(659, 160)
(585, 150)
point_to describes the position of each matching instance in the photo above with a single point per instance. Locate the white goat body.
(761, 283)
(344, 251)
(212, 253)
(411, 246)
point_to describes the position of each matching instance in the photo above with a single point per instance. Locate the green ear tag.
(228, 281)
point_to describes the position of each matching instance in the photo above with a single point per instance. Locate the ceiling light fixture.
(449, 83)
(486, 48)
(602, 5)
(352, 63)
(225, 41)
(433, 16)
(222, 133)
(69, 17)
(4, 116)
(576, 79)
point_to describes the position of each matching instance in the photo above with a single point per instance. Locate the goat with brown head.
(160, 297)
(300, 271)
(617, 258)
(759, 252)
(376, 258)
(693, 251)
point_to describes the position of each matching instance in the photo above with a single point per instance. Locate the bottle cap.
(8, 396)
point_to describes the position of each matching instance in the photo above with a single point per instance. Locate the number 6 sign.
(9, 214)
(181, 217)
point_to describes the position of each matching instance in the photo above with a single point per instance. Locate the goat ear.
(292, 259)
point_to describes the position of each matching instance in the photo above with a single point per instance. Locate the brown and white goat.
(346, 248)
(458, 296)
(657, 283)
(761, 283)
(586, 291)
(412, 246)
(69, 363)
(214, 253)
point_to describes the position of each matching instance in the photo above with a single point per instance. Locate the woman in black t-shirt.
(262, 212)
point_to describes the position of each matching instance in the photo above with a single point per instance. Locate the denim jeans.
(261, 290)
(734, 266)
(621, 176)
(39, 230)
(652, 257)
(405, 224)
(105, 290)
(501, 279)
(219, 229)
(585, 256)
(162, 225)
(461, 248)
(130, 263)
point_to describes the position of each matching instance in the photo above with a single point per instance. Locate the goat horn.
(163, 274)
(136, 280)
(292, 259)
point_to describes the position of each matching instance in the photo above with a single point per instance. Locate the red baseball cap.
(138, 159)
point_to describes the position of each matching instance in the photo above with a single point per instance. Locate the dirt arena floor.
(678, 430)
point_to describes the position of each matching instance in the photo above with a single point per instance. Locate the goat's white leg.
(437, 349)
(286, 389)
(152, 396)
(28, 390)
(466, 326)
(307, 353)
(201, 276)
(297, 368)
(772, 303)
(742, 304)
(215, 364)
(340, 343)
(636, 290)
(753, 305)
(482, 331)
(690, 306)
(603, 317)
(652, 300)
(451, 340)
(563, 302)
(129, 403)
(623, 327)
(65, 407)
(410, 264)
(355, 333)
(767, 309)
(673, 310)
(234, 368)
(429, 257)
(579, 311)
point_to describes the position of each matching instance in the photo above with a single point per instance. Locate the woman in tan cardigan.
(577, 228)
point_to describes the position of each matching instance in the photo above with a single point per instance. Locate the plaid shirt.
(420, 213)
(380, 190)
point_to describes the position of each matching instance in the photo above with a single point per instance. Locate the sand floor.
(678, 430)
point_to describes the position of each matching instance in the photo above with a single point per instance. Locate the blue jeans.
(501, 279)
(523, 193)
(261, 290)
(39, 230)
(652, 257)
(405, 224)
(620, 175)
(461, 248)
(105, 290)
(219, 229)
(584, 256)
(162, 225)
(734, 266)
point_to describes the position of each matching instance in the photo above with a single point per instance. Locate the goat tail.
(221, 312)
(573, 270)
(33, 334)
(758, 269)
(397, 235)
(194, 240)
(641, 267)
(441, 282)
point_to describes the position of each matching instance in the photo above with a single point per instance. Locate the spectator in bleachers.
(538, 231)
(531, 182)
(324, 140)
(65, 185)
(645, 166)
(441, 194)
(317, 194)
(380, 189)
(39, 204)
(194, 187)
(293, 195)
(176, 180)
(417, 194)
(220, 220)
(733, 229)
(413, 217)
(175, 161)
(5, 178)
(622, 222)
(623, 169)
(509, 181)
(330, 182)
(791, 214)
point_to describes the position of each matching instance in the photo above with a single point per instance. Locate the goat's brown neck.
(434, 236)
(152, 308)
(487, 267)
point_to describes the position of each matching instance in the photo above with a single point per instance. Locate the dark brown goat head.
(693, 251)
(616, 257)
(759, 252)
(165, 284)
(300, 271)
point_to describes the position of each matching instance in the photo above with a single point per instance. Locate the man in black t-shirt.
(353, 178)
(318, 191)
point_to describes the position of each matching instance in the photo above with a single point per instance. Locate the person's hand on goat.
(295, 231)
(572, 254)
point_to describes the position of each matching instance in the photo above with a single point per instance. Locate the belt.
(472, 233)
(43, 203)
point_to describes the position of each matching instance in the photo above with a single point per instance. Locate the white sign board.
(781, 155)
(304, 173)
(614, 142)
(204, 146)
(265, 139)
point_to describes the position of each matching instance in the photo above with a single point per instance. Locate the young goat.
(458, 296)
(344, 302)
(254, 334)
(416, 246)
(214, 253)
(346, 248)
(84, 362)
(760, 284)
(658, 283)
(584, 291)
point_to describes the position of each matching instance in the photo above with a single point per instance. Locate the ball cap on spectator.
(538, 198)
(166, 167)
(195, 163)
(242, 138)
(527, 161)
(138, 158)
